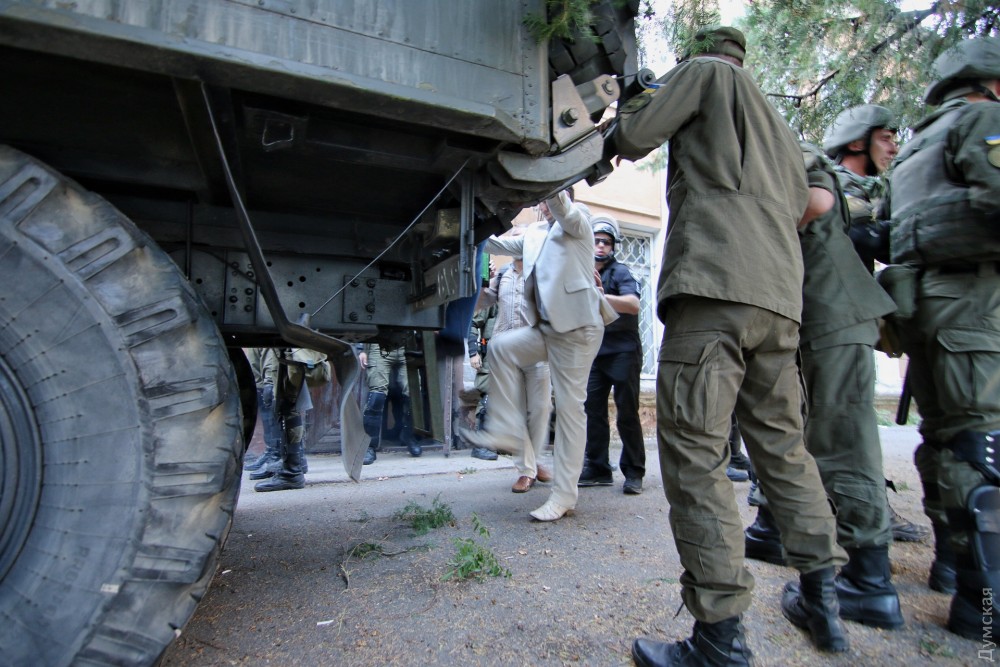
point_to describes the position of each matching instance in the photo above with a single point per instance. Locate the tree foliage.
(683, 19)
(563, 18)
(815, 58)
(568, 19)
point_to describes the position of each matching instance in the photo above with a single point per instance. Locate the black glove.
(267, 397)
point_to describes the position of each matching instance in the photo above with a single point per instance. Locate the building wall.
(635, 198)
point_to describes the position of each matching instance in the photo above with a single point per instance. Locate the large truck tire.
(608, 47)
(120, 431)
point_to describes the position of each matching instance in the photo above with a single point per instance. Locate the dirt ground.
(294, 587)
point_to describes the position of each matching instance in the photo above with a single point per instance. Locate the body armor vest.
(932, 220)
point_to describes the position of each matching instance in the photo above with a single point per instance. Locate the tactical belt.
(978, 268)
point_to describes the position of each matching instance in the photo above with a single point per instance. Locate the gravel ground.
(294, 587)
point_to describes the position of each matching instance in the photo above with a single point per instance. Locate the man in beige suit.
(564, 310)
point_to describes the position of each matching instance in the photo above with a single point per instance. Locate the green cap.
(724, 40)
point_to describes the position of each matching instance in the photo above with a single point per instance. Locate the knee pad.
(373, 413)
(980, 519)
(979, 450)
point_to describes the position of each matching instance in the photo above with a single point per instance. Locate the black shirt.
(622, 335)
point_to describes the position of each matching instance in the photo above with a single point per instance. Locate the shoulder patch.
(994, 156)
(993, 141)
(636, 103)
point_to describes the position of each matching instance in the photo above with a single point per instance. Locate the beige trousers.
(570, 356)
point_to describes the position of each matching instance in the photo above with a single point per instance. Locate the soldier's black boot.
(275, 455)
(812, 605)
(292, 474)
(372, 420)
(482, 452)
(904, 530)
(942, 576)
(257, 462)
(974, 613)
(865, 591)
(737, 459)
(406, 435)
(721, 644)
(271, 427)
(762, 538)
(272, 454)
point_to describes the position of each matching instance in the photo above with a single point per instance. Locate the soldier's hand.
(476, 362)
(267, 396)
(363, 358)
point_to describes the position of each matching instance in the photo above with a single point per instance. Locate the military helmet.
(605, 224)
(971, 61)
(856, 123)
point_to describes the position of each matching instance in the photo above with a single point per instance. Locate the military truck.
(183, 178)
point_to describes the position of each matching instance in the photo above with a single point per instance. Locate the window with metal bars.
(634, 252)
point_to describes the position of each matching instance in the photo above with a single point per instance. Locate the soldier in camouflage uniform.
(841, 307)
(269, 462)
(862, 142)
(480, 333)
(944, 202)
(386, 366)
(285, 369)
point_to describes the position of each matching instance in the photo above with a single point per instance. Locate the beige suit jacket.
(559, 270)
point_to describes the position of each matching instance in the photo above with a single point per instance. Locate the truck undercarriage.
(182, 179)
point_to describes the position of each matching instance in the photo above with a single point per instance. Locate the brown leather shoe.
(543, 474)
(523, 484)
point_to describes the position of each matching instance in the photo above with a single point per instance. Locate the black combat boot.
(942, 576)
(482, 452)
(291, 475)
(904, 530)
(272, 430)
(273, 462)
(270, 459)
(406, 436)
(974, 612)
(256, 464)
(721, 644)
(865, 591)
(372, 418)
(753, 493)
(762, 539)
(737, 459)
(812, 605)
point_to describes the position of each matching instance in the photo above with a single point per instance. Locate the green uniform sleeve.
(650, 119)
(821, 178)
(973, 147)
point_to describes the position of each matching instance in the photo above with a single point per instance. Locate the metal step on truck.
(183, 178)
